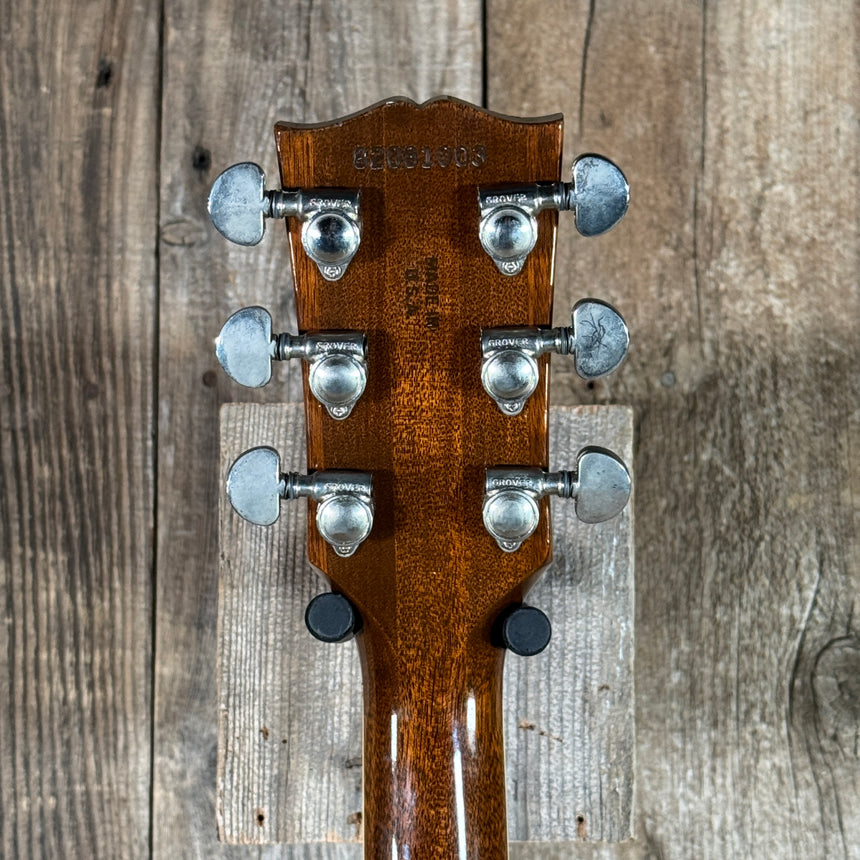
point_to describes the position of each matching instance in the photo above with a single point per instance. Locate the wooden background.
(737, 269)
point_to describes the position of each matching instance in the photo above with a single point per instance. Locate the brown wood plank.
(290, 747)
(231, 71)
(737, 268)
(78, 218)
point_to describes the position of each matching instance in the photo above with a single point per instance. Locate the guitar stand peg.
(597, 339)
(525, 630)
(598, 196)
(331, 617)
(599, 486)
(337, 361)
(256, 485)
(331, 225)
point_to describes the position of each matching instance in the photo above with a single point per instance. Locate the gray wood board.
(737, 269)
(78, 213)
(230, 71)
(290, 744)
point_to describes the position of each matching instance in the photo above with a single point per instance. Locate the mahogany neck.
(434, 769)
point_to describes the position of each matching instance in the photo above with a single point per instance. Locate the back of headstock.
(421, 302)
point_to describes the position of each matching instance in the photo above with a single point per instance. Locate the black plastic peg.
(525, 630)
(332, 618)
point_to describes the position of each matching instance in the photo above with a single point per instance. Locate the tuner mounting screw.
(331, 226)
(525, 630)
(598, 197)
(331, 617)
(597, 339)
(246, 348)
(599, 486)
(256, 485)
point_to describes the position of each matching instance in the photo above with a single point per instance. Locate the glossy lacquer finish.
(429, 581)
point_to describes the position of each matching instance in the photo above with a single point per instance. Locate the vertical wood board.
(78, 213)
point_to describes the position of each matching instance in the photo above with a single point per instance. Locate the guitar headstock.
(422, 240)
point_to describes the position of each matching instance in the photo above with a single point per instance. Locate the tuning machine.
(331, 226)
(598, 197)
(597, 339)
(600, 487)
(246, 348)
(256, 485)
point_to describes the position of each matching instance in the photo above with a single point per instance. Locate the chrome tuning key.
(256, 485)
(598, 197)
(331, 225)
(599, 486)
(597, 339)
(337, 361)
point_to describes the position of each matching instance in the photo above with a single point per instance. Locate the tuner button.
(245, 347)
(599, 196)
(600, 338)
(601, 487)
(238, 203)
(525, 630)
(332, 618)
(255, 486)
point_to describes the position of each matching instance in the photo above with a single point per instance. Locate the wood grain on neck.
(430, 581)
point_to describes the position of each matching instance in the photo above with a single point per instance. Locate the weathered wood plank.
(290, 746)
(737, 268)
(231, 71)
(78, 218)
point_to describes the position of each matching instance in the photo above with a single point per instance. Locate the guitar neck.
(434, 777)
(429, 581)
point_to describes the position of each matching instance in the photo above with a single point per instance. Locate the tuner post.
(331, 223)
(337, 361)
(599, 486)
(597, 338)
(598, 196)
(256, 486)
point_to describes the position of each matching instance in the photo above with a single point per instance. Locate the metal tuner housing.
(331, 224)
(256, 485)
(598, 195)
(337, 361)
(600, 487)
(597, 339)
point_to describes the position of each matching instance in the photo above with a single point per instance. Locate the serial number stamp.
(418, 157)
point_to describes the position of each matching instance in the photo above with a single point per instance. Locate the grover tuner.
(256, 485)
(600, 487)
(597, 339)
(331, 226)
(598, 197)
(246, 348)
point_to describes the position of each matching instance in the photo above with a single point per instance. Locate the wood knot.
(183, 232)
(104, 73)
(836, 692)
